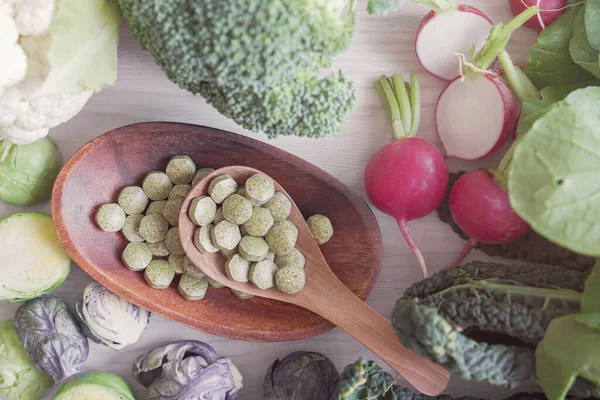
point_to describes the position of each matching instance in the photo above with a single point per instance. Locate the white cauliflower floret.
(14, 61)
(43, 85)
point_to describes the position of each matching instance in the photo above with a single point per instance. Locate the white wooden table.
(382, 45)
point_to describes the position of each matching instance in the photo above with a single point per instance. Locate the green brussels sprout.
(28, 172)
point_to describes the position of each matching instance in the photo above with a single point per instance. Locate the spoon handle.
(340, 306)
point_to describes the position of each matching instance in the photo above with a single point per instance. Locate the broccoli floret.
(256, 61)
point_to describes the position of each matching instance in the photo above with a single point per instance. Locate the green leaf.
(580, 49)
(568, 350)
(590, 300)
(550, 63)
(592, 23)
(535, 109)
(83, 39)
(554, 181)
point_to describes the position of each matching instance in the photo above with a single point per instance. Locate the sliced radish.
(440, 35)
(474, 116)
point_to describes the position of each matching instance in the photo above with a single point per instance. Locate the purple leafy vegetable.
(186, 370)
(50, 333)
(301, 376)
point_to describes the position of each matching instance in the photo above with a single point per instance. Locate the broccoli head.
(257, 62)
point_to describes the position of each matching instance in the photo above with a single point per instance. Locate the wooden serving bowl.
(96, 172)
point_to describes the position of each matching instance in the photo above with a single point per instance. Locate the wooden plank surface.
(382, 45)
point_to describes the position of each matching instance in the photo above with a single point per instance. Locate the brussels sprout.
(28, 172)
(19, 378)
(95, 386)
(51, 334)
(303, 376)
(108, 319)
(32, 259)
(185, 370)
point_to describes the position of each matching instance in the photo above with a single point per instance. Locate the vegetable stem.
(352, 6)
(518, 81)
(403, 99)
(438, 5)
(415, 102)
(499, 37)
(391, 104)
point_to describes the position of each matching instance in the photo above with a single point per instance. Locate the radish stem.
(403, 101)
(438, 5)
(518, 81)
(470, 245)
(407, 235)
(391, 104)
(499, 37)
(415, 101)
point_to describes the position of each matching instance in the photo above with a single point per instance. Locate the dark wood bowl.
(96, 172)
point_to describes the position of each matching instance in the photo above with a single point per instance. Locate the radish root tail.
(470, 245)
(407, 235)
(463, 62)
(539, 14)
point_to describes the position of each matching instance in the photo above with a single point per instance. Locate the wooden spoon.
(324, 294)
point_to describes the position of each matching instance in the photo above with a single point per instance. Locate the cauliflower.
(59, 52)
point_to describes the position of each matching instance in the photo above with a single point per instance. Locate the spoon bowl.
(323, 294)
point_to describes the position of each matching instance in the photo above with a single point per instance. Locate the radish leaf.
(580, 49)
(592, 23)
(535, 109)
(554, 181)
(550, 63)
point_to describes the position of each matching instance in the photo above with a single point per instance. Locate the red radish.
(407, 178)
(481, 208)
(477, 111)
(442, 34)
(475, 116)
(550, 10)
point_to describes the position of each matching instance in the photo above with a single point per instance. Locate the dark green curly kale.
(482, 320)
(531, 248)
(256, 61)
(367, 381)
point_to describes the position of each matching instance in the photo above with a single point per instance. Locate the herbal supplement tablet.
(190, 269)
(181, 170)
(156, 207)
(201, 174)
(154, 228)
(176, 261)
(255, 203)
(222, 187)
(133, 200)
(280, 206)
(292, 259)
(262, 274)
(241, 295)
(290, 280)
(237, 209)
(320, 227)
(159, 274)
(179, 191)
(110, 217)
(202, 210)
(157, 185)
(228, 253)
(237, 269)
(136, 256)
(219, 216)
(202, 239)
(260, 187)
(253, 248)
(173, 243)
(191, 288)
(282, 237)
(131, 228)
(159, 249)
(214, 284)
(260, 222)
(225, 235)
(172, 210)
